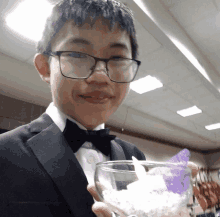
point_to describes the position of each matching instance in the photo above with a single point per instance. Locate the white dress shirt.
(88, 156)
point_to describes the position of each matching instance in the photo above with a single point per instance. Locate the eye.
(117, 57)
(77, 55)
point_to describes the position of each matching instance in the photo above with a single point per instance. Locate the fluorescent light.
(29, 18)
(190, 57)
(190, 111)
(213, 126)
(145, 84)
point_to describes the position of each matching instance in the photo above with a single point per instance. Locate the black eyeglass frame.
(59, 53)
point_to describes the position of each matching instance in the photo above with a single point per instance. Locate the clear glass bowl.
(166, 190)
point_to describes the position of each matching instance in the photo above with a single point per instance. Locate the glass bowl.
(165, 190)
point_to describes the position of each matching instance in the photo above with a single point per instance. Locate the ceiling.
(196, 24)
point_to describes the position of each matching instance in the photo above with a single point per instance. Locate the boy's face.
(74, 96)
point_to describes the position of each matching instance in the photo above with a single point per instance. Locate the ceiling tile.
(185, 84)
(204, 28)
(211, 109)
(177, 104)
(209, 134)
(208, 45)
(161, 113)
(194, 99)
(187, 96)
(170, 3)
(148, 42)
(189, 12)
(216, 118)
(163, 98)
(217, 133)
(160, 94)
(182, 122)
(171, 117)
(132, 99)
(173, 73)
(214, 58)
(14, 45)
(201, 119)
(217, 3)
(148, 101)
(153, 127)
(156, 61)
(206, 100)
(196, 93)
(146, 108)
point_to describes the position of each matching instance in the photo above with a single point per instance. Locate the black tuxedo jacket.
(40, 175)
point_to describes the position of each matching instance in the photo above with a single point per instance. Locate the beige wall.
(14, 113)
(213, 160)
(154, 151)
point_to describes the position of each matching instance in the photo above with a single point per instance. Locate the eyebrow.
(82, 41)
(119, 45)
(78, 41)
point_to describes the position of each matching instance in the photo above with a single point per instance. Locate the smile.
(95, 99)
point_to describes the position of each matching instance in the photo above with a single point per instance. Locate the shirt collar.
(59, 118)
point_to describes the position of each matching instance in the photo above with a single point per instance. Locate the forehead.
(98, 36)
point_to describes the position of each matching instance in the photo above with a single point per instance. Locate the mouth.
(97, 97)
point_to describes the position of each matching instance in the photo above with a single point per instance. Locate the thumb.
(92, 190)
(101, 209)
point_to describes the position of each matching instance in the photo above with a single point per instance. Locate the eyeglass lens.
(78, 65)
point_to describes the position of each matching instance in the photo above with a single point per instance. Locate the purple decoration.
(182, 157)
(180, 179)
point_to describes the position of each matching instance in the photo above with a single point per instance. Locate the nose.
(100, 66)
(99, 74)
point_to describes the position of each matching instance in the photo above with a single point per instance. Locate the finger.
(194, 167)
(101, 186)
(93, 192)
(101, 209)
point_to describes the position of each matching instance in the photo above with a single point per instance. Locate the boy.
(87, 55)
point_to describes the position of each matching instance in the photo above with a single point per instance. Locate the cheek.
(59, 87)
(122, 92)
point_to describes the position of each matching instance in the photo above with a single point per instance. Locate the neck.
(86, 125)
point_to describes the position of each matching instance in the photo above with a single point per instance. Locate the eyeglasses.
(77, 65)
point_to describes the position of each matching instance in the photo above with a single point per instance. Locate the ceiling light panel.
(145, 84)
(213, 126)
(190, 111)
(28, 18)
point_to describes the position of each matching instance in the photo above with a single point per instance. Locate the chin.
(94, 120)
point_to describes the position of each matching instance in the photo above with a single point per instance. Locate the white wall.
(213, 160)
(154, 151)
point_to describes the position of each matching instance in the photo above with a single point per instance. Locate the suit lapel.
(58, 159)
(117, 152)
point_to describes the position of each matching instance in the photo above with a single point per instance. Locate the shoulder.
(12, 146)
(20, 133)
(23, 133)
(130, 150)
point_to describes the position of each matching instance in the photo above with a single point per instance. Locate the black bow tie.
(76, 137)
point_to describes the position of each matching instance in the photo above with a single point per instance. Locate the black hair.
(88, 11)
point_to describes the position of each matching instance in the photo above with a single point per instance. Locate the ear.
(42, 66)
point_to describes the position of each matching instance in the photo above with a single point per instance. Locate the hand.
(194, 167)
(101, 209)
